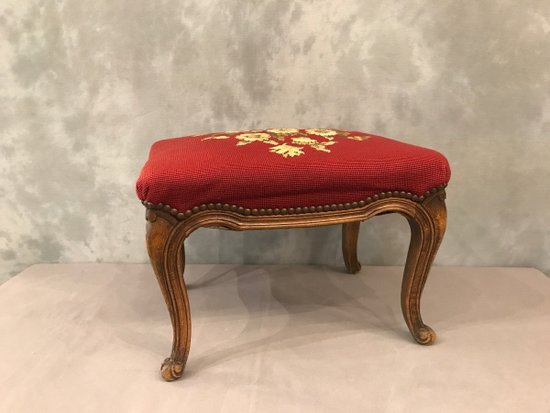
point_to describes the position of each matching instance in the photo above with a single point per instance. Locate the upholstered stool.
(288, 178)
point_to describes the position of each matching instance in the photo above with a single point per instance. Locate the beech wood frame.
(167, 229)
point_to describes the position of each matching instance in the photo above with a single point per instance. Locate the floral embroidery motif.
(246, 138)
(283, 131)
(321, 146)
(287, 150)
(304, 141)
(290, 142)
(321, 132)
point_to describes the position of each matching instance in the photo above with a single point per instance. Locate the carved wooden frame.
(167, 229)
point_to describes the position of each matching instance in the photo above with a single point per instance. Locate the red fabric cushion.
(285, 168)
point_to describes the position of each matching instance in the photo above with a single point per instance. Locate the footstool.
(288, 178)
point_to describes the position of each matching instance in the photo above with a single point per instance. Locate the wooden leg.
(350, 234)
(167, 258)
(427, 230)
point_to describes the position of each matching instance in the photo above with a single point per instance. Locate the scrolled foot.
(425, 336)
(354, 267)
(171, 370)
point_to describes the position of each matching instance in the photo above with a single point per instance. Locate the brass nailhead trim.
(297, 210)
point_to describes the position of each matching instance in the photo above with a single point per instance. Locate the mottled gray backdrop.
(86, 87)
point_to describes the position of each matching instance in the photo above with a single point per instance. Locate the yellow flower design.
(321, 146)
(302, 140)
(246, 138)
(290, 142)
(283, 131)
(321, 132)
(287, 150)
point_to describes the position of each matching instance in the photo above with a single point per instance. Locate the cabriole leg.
(427, 230)
(167, 258)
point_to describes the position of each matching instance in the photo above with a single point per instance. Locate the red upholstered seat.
(285, 168)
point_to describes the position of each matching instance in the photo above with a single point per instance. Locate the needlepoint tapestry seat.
(285, 168)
